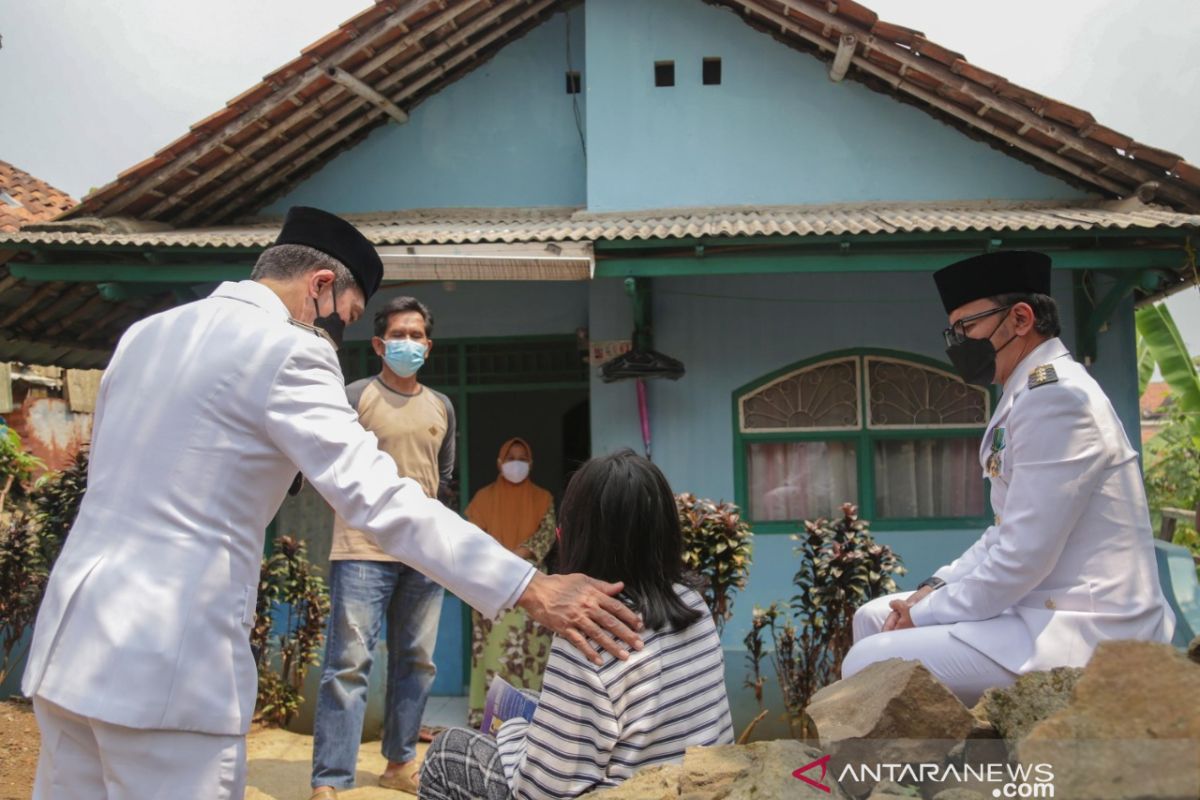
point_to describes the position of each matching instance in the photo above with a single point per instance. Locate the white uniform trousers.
(963, 669)
(85, 759)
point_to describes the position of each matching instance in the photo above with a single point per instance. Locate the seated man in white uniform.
(1069, 561)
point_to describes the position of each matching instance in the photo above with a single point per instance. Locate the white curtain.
(800, 480)
(928, 478)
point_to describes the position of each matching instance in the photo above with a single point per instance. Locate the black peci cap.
(991, 274)
(334, 237)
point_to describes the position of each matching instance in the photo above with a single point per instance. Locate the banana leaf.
(1162, 338)
(1145, 364)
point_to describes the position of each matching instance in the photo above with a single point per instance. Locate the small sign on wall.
(81, 387)
(6, 396)
(600, 353)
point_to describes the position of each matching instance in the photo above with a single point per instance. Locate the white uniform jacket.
(204, 416)
(1070, 561)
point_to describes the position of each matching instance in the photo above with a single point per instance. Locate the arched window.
(894, 433)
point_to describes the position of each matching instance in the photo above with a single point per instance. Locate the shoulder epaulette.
(1042, 375)
(314, 330)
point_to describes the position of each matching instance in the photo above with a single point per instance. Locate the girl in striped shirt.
(596, 725)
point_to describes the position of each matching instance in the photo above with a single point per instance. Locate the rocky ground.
(1125, 726)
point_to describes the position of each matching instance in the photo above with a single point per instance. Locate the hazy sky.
(89, 88)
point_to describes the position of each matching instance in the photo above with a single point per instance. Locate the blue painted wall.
(505, 135)
(729, 331)
(775, 131)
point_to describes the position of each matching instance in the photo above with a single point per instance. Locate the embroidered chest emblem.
(995, 457)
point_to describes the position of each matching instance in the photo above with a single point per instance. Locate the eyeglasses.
(957, 333)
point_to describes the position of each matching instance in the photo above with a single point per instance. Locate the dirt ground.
(279, 762)
(18, 750)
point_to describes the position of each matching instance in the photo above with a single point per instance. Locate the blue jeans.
(362, 594)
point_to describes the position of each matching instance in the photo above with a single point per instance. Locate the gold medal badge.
(994, 461)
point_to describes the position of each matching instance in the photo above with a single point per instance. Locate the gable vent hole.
(664, 73)
(711, 72)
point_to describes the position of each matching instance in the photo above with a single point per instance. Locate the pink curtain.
(928, 478)
(800, 480)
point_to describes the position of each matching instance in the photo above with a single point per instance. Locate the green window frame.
(862, 434)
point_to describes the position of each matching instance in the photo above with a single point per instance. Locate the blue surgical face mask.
(404, 356)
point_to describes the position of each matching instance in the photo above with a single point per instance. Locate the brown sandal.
(403, 781)
(324, 793)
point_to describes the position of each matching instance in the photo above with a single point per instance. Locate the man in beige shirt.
(369, 589)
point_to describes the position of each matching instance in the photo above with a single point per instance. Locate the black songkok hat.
(334, 237)
(991, 274)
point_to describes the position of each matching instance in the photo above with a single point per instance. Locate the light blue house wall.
(776, 130)
(504, 135)
(730, 331)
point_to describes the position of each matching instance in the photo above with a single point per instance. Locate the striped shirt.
(596, 725)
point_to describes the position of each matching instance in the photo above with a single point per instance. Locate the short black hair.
(619, 522)
(1045, 310)
(285, 262)
(401, 305)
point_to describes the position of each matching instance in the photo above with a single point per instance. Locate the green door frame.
(361, 357)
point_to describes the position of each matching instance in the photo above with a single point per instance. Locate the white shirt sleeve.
(310, 421)
(1058, 460)
(970, 559)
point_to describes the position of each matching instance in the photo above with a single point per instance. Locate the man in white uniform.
(140, 667)
(1069, 561)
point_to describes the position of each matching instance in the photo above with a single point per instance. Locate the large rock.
(1013, 711)
(888, 790)
(959, 794)
(894, 711)
(758, 771)
(1131, 729)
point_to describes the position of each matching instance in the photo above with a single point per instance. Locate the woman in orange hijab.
(519, 515)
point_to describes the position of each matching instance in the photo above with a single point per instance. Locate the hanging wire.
(575, 95)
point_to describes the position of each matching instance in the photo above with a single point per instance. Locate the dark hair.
(287, 261)
(401, 305)
(619, 523)
(1045, 310)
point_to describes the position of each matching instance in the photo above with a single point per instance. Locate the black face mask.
(332, 324)
(975, 359)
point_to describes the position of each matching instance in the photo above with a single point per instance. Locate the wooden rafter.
(67, 320)
(364, 90)
(328, 133)
(1105, 155)
(437, 76)
(901, 84)
(30, 303)
(259, 110)
(321, 107)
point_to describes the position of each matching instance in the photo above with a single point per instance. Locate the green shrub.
(30, 540)
(717, 547)
(285, 652)
(841, 568)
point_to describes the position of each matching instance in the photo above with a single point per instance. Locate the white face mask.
(515, 471)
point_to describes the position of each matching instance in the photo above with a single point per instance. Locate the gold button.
(1050, 604)
(996, 519)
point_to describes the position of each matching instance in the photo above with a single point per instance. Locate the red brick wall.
(47, 426)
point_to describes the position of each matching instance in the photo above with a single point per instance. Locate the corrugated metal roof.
(458, 226)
